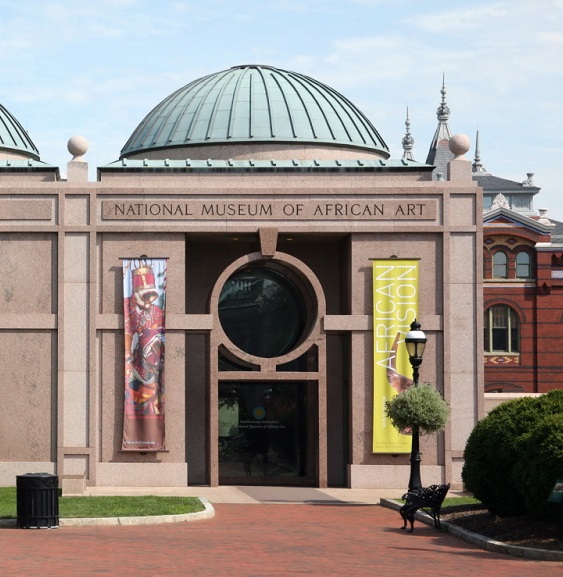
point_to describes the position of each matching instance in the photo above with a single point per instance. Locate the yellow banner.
(395, 306)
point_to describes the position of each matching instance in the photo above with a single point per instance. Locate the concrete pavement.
(256, 495)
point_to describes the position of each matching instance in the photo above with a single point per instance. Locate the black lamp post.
(415, 340)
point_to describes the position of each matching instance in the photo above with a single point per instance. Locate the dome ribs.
(14, 137)
(258, 104)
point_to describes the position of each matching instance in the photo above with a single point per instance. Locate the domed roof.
(258, 104)
(14, 138)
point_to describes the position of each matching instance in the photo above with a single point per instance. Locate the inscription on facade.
(270, 210)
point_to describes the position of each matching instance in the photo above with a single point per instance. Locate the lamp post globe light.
(415, 341)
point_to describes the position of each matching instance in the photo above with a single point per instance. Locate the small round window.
(262, 311)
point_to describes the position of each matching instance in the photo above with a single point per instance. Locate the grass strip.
(457, 501)
(113, 506)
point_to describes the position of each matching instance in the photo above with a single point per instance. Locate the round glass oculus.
(262, 312)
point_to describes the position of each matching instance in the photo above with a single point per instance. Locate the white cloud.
(554, 39)
(452, 21)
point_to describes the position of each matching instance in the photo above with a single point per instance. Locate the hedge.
(498, 451)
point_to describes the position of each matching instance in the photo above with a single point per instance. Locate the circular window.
(262, 311)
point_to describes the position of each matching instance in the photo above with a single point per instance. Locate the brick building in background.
(522, 291)
(522, 275)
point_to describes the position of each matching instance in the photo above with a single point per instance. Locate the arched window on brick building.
(523, 265)
(502, 330)
(500, 265)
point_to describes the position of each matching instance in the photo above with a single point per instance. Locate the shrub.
(551, 403)
(489, 456)
(494, 447)
(420, 405)
(540, 464)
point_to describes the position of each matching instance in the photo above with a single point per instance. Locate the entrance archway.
(267, 393)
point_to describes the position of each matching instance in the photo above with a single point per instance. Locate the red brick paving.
(259, 541)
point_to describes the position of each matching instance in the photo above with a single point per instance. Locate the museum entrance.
(263, 433)
(267, 385)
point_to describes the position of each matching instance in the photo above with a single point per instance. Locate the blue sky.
(95, 68)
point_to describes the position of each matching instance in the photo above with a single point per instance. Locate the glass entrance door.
(263, 436)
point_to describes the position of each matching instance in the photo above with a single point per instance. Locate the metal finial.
(408, 140)
(477, 165)
(443, 112)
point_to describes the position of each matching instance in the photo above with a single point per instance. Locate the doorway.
(264, 438)
(267, 386)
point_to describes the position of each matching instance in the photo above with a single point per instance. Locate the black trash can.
(37, 501)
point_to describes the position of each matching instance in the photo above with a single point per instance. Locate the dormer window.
(520, 201)
(516, 202)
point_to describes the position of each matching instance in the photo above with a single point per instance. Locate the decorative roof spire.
(408, 140)
(439, 153)
(477, 164)
(443, 111)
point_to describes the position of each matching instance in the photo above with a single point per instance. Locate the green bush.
(420, 405)
(551, 403)
(494, 447)
(540, 464)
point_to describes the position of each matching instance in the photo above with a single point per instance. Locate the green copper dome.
(255, 104)
(13, 137)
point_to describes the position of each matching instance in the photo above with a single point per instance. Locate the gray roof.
(557, 232)
(439, 156)
(13, 137)
(254, 103)
(490, 183)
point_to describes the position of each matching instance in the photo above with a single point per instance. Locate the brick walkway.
(259, 541)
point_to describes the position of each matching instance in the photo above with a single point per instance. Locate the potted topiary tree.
(420, 409)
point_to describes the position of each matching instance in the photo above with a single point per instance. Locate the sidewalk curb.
(207, 513)
(481, 541)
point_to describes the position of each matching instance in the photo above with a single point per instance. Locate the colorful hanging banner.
(144, 304)
(395, 306)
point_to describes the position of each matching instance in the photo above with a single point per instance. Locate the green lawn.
(451, 504)
(108, 506)
(457, 501)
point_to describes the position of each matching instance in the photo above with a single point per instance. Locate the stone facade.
(318, 213)
(62, 325)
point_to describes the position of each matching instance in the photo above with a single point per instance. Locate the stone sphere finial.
(77, 146)
(459, 145)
